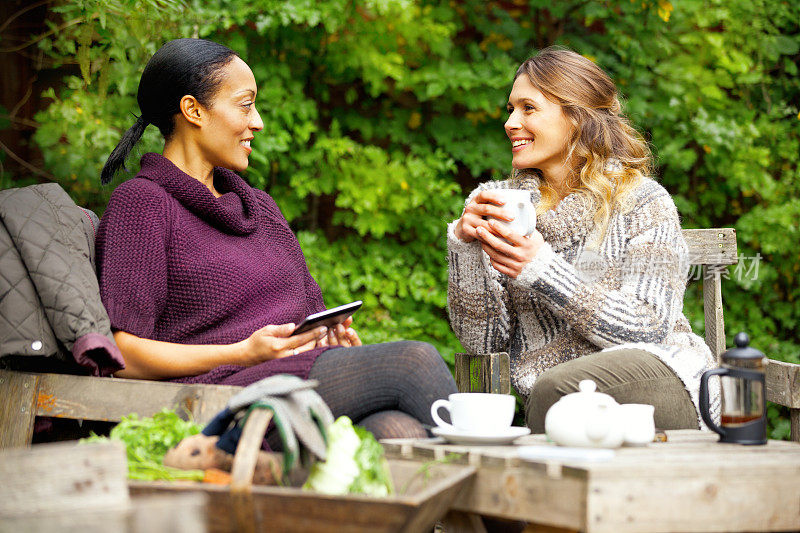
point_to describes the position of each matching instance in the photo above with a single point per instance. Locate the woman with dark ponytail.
(201, 275)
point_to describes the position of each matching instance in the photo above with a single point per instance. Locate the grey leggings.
(386, 388)
(629, 376)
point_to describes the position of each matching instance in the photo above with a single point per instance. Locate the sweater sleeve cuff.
(98, 354)
(472, 254)
(457, 245)
(126, 318)
(536, 268)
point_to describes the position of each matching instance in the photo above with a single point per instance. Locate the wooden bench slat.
(783, 384)
(715, 246)
(493, 368)
(712, 312)
(17, 408)
(109, 399)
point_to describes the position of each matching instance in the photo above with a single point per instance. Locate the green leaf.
(787, 45)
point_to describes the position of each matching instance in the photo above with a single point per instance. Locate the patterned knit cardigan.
(584, 291)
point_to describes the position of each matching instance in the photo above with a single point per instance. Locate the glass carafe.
(742, 382)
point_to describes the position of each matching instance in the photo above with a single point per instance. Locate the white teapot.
(586, 419)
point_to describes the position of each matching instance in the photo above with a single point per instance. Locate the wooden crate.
(242, 507)
(289, 509)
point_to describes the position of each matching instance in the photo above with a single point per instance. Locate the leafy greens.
(147, 440)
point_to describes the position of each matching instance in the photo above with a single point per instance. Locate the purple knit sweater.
(176, 264)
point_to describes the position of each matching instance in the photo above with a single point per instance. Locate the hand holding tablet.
(328, 318)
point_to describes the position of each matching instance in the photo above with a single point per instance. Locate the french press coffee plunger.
(744, 410)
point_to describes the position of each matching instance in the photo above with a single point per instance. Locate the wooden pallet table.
(689, 483)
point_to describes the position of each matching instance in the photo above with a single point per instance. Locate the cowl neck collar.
(570, 221)
(236, 211)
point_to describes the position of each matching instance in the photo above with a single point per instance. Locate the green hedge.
(380, 115)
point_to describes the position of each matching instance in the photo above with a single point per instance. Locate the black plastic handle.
(704, 397)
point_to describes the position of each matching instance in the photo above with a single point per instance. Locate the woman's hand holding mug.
(485, 204)
(500, 230)
(508, 251)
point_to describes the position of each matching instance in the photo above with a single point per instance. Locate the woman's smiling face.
(233, 119)
(538, 129)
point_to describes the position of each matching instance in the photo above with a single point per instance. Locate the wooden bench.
(23, 396)
(711, 250)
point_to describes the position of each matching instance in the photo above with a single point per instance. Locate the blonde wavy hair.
(610, 156)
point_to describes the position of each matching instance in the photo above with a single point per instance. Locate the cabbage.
(355, 463)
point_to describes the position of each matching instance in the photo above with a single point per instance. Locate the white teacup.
(640, 428)
(476, 412)
(518, 205)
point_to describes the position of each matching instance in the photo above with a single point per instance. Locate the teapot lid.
(587, 394)
(742, 350)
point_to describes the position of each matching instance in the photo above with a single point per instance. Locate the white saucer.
(457, 436)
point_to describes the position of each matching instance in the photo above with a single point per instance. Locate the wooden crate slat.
(527, 494)
(83, 488)
(176, 513)
(291, 509)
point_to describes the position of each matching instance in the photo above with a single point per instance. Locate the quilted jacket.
(51, 316)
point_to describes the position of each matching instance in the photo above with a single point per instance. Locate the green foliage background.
(380, 115)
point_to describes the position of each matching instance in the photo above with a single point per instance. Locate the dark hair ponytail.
(118, 156)
(178, 68)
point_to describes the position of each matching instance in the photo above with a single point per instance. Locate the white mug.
(518, 205)
(476, 412)
(640, 428)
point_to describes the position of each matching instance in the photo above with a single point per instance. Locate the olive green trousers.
(628, 375)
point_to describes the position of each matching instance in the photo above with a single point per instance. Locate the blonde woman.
(596, 291)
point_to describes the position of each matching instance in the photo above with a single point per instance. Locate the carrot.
(217, 477)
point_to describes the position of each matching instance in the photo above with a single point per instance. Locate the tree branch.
(23, 121)
(27, 165)
(42, 36)
(21, 11)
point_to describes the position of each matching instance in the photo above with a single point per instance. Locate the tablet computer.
(327, 318)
